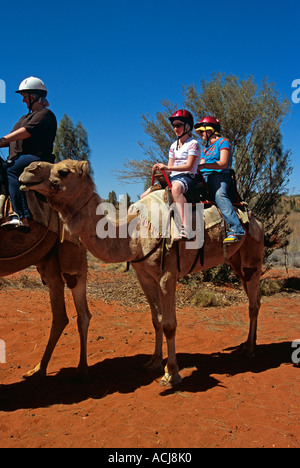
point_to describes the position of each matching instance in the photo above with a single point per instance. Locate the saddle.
(201, 192)
(38, 206)
(156, 219)
(3, 188)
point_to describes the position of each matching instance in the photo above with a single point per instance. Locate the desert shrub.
(268, 287)
(205, 298)
(220, 274)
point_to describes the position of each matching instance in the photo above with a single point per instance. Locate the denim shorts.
(188, 181)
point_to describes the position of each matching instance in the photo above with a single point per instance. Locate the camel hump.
(256, 229)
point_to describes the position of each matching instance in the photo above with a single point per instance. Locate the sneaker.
(12, 223)
(231, 238)
(15, 223)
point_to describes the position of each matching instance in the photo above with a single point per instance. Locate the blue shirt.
(212, 154)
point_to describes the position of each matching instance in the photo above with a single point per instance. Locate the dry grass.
(25, 280)
(294, 222)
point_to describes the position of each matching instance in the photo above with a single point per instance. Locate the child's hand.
(160, 167)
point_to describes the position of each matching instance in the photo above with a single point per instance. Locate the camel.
(70, 190)
(58, 263)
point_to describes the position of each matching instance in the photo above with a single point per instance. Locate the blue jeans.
(219, 183)
(18, 198)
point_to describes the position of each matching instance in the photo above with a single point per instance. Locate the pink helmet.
(184, 116)
(208, 123)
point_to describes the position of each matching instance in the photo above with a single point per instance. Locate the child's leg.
(219, 184)
(145, 193)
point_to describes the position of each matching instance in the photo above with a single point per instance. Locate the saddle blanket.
(157, 214)
(42, 213)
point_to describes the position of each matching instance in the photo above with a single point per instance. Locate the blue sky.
(107, 63)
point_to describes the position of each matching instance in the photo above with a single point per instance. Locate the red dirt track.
(224, 400)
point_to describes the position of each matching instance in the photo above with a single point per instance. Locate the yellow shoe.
(230, 239)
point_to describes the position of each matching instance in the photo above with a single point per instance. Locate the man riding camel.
(31, 139)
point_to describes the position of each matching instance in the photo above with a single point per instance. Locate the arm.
(20, 134)
(221, 164)
(188, 166)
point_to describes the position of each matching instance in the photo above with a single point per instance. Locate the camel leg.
(151, 291)
(83, 321)
(253, 292)
(161, 296)
(50, 273)
(247, 264)
(167, 293)
(73, 265)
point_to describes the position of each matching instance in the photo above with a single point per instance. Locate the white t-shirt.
(180, 155)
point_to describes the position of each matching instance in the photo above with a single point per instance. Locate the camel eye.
(63, 173)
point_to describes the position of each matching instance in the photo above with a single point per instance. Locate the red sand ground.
(223, 401)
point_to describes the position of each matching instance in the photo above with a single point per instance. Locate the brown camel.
(70, 190)
(58, 264)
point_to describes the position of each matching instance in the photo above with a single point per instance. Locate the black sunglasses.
(177, 125)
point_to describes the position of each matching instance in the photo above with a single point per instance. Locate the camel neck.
(102, 233)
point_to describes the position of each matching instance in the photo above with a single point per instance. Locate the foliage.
(269, 286)
(205, 298)
(112, 198)
(124, 201)
(71, 141)
(251, 117)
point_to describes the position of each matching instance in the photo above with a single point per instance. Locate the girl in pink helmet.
(184, 155)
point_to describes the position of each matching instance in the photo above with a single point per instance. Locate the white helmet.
(33, 85)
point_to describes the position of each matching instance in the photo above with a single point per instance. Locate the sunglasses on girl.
(177, 125)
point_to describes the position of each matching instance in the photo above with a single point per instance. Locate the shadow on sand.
(125, 375)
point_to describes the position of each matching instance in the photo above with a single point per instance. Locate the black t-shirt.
(42, 126)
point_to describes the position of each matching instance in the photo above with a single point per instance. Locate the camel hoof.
(245, 351)
(36, 373)
(81, 377)
(170, 380)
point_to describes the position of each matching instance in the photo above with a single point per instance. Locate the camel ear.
(81, 167)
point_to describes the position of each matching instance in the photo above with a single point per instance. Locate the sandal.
(184, 235)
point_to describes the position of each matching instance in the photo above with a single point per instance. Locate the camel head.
(59, 182)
